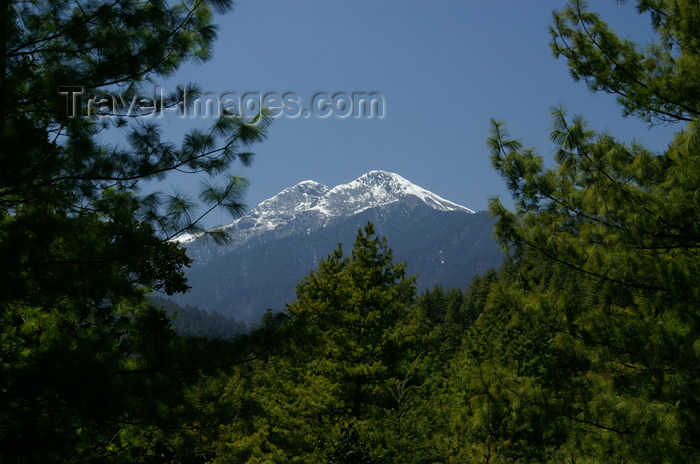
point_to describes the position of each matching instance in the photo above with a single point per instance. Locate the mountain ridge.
(373, 189)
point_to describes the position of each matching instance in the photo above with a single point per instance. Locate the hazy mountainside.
(284, 237)
(191, 321)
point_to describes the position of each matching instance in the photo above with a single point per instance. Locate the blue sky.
(444, 68)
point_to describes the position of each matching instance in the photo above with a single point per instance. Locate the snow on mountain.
(378, 188)
(273, 212)
(284, 206)
(300, 197)
(309, 205)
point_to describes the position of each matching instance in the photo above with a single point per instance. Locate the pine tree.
(351, 308)
(325, 398)
(83, 361)
(588, 352)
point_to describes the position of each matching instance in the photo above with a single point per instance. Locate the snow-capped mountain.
(310, 205)
(376, 189)
(275, 245)
(273, 212)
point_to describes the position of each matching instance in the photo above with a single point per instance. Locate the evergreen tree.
(351, 308)
(588, 352)
(84, 371)
(324, 399)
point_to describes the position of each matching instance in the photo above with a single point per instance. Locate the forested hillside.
(195, 322)
(582, 347)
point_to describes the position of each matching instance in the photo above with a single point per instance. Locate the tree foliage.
(84, 363)
(588, 351)
(347, 354)
(350, 309)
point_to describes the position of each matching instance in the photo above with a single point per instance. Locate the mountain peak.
(309, 185)
(379, 174)
(379, 188)
(288, 203)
